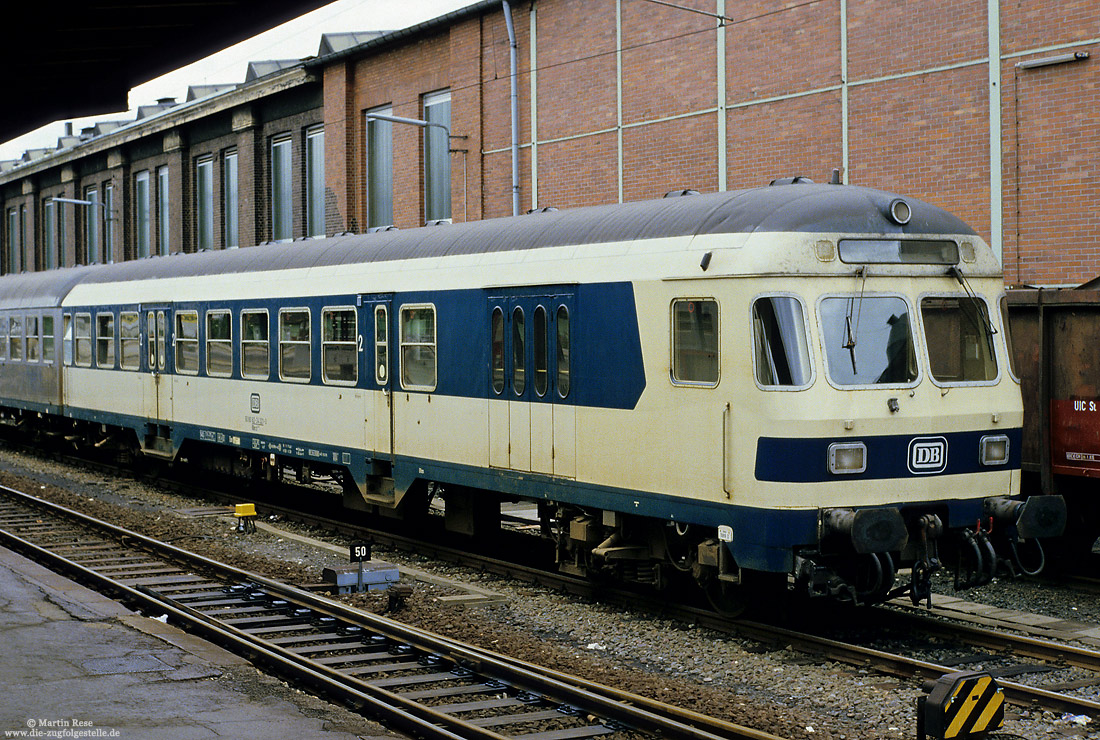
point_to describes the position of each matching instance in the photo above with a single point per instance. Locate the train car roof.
(834, 209)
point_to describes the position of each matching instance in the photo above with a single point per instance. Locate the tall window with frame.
(82, 333)
(15, 339)
(204, 203)
(339, 359)
(379, 168)
(418, 347)
(49, 234)
(695, 342)
(129, 334)
(49, 348)
(282, 214)
(230, 200)
(163, 230)
(105, 341)
(219, 343)
(26, 244)
(295, 361)
(31, 330)
(62, 236)
(91, 225)
(187, 342)
(108, 222)
(141, 214)
(437, 156)
(315, 181)
(255, 345)
(14, 248)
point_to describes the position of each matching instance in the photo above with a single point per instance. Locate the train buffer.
(967, 704)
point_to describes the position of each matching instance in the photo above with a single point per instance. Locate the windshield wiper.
(852, 329)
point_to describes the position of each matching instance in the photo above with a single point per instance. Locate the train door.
(377, 325)
(532, 421)
(158, 385)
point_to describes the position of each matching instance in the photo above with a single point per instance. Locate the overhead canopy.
(69, 59)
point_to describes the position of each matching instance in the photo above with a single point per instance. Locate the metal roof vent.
(439, 222)
(542, 209)
(376, 229)
(679, 193)
(796, 180)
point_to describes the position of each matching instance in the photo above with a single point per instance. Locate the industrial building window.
(204, 203)
(695, 342)
(15, 339)
(105, 340)
(108, 222)
(219, 343)
(92, 218)
(82, 333)
(27, 244)
(437, 156)
(31, 330)
(294, 344)
(230, 203)
(49, 349)
(162, 211)
(141, 214)
(255, 346)
(339, 359)
(129, 333)
(418, 365)
(13, 240)
(62, 237)
(563, 351)
(187, 342)
(379, 168)
(281, 192)
(780, 348)
(315, 181)
(49, 234)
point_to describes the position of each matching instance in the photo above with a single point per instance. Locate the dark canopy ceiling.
(66, 59)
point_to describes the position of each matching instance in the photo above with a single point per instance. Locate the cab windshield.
(959, 338)
(868, 340)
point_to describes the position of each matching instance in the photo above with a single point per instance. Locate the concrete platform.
(76, 664)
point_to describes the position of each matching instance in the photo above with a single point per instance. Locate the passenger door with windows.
(158, 387)
(532, 421)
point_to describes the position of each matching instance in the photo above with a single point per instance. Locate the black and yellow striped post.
(960, 705)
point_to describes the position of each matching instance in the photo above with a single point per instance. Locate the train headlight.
(994, 449)
(846, 458)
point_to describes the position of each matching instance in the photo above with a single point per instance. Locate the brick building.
(616, 100)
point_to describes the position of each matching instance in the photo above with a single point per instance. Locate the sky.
(293, 40)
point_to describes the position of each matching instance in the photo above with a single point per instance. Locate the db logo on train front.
(927, 455)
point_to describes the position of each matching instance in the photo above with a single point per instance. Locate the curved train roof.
(786, 208)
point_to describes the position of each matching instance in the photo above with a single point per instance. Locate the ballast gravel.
(775, 690)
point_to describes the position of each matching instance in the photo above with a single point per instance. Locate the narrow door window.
(563, 351)
(381, 345)
(497, 349)
(519, 353)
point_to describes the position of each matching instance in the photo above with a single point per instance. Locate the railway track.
(418, 683)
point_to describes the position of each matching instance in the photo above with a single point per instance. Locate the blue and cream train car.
(804, 380)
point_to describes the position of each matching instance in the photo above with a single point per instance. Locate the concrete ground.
(75, 664)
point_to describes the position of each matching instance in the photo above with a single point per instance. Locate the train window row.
(547, 343)
(293, 351)
(27, 338)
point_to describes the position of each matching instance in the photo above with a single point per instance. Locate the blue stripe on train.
(806, 460)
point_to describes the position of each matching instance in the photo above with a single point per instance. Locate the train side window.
(219, 343)
(418, 348)
(30, 328)
(695, 357)
(129, 334)
(781, 352)
(562, 322)
(3, 337)
(867, 340)
(539, 338)
(105, 340)
(255, 345)
(519, 352)
(339, 358)
(381, 345)
(497, 339)
(67, 346)
(294, 344)
(82, 331)
(151, 331)
(15, 339)
(187, 342)
(162, 340)
(49, 349)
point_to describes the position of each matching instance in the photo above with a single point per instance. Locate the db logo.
(927, 455)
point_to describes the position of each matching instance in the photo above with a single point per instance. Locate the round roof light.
(900, 211)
